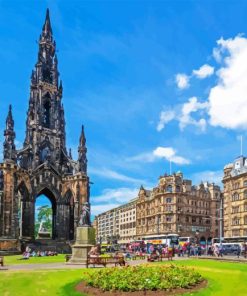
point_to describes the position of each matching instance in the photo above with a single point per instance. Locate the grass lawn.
(46, 283)
(10, 260)
(224, 278)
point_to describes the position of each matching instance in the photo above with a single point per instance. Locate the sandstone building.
(235, 198)
(44, 165)
(175, 206)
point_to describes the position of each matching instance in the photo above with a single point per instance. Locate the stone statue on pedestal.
(85, 237)
(85, 215)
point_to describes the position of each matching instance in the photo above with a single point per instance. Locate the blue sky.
(152, 81)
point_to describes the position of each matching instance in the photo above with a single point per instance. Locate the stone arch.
(50, 191)
(69, 201)
(26, 206)
(53, 197)
(22, 189)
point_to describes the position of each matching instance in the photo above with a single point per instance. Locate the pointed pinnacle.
(47, 24)
(9, 117)
(82, 137)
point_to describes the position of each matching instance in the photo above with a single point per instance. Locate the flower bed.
(142, 278)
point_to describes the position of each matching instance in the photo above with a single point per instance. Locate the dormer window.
(169, 188)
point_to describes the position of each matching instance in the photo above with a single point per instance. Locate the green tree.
(45, 216)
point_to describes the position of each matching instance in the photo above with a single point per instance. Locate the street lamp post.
(221, 219)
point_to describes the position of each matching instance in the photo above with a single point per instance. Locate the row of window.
(238, 209)
(236, 232)
(236, 196)
(237, 185)
(129, 225)
(236, 220)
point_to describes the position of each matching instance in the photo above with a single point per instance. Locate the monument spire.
(45, 125)
(47, 30)
(9, 150)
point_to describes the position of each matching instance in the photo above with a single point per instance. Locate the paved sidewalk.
(45, 266)
(224, 258)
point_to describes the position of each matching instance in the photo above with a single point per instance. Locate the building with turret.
(235, 198)
(43, 166)
(176, 206)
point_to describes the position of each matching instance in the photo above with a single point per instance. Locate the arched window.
(45, 154)
(245, 183)
(47, 114)
(245, 194)
(169, 188)
(235, 221)
(235, 196)
(47, 76)
(177, 188)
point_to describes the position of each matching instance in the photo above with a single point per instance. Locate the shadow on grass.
(69, 290)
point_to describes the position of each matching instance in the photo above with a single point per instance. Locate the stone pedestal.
(44, 235)
(85, 239)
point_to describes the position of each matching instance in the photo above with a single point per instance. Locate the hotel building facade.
(175, 206)
(235, 198)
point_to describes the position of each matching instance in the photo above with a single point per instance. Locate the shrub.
(143, 277)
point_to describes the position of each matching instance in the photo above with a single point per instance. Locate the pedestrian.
(188, 249)
(220, 250)
(216, 251)
(238, 251)
(245, 250)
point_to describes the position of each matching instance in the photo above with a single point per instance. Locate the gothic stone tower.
(43, 165)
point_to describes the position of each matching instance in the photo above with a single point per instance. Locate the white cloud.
(228, 99)
(167, 153)
(204, 71)
(145, 157)
(189, 107)
(110, 174)
(165, 117)
(118, 196)
(170, 154)
(217, 54)
(182, 81)
(112, 198)
(208, 176)
(183, 114)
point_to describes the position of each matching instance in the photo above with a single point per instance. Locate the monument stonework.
(43, 165)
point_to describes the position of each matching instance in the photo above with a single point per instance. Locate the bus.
(186, 240)
(171, 240)
(234, 239)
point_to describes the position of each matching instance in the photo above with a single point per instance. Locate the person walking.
(188, 249)
(220, 250)
(238, 251)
